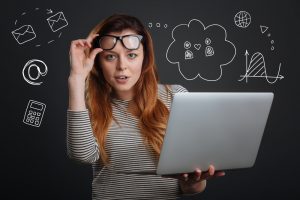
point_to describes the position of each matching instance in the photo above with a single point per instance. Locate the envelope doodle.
(24, 34)
(57, 21)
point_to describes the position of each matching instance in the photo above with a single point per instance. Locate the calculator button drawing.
(34, 113)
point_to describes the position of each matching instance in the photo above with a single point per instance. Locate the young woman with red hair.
(118, 113)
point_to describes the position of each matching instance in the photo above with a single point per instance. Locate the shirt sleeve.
(178, 88)
(81, 143)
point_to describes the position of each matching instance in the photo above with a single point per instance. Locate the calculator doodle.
(34, 113)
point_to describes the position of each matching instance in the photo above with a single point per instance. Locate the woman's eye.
(110, 57)
(132, 55)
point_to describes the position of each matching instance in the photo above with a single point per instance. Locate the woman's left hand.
(196, 182)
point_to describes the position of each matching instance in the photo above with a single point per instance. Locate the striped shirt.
(127, 152)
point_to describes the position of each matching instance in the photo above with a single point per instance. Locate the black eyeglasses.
(130, 42)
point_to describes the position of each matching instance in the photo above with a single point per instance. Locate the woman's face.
(122, 67)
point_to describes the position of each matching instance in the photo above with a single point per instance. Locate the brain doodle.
(200, 51)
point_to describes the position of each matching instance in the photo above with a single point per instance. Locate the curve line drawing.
(257, 69)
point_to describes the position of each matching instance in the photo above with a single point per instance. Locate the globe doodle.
(242, 19)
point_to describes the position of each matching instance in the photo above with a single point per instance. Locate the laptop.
(224, 129)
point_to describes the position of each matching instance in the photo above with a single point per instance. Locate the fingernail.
(186, 177)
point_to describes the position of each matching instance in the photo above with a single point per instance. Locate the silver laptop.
(219, 128)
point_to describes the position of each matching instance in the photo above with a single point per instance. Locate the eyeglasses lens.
(130, 42)
(107, 42)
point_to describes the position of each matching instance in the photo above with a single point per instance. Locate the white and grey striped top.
(127, 152)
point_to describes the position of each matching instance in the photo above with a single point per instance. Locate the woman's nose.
(122, 63)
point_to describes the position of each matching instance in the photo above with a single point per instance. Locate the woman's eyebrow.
(127, 51)
(109, 51)
(131, 50)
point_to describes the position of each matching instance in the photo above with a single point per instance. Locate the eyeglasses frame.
(140, 37)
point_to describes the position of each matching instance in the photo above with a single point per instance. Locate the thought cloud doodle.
(200, 51)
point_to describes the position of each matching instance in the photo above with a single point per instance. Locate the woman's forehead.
(123, 32)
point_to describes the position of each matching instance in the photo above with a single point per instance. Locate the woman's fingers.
(217, 174)
(198, 174)
(220, 173)
(171, 176)
(210, 173)
(94, 53)
(185, 177)
(192, 177)
(87, 44)
(211, 170)
(82, 43)
(76, 43)
(90, 38)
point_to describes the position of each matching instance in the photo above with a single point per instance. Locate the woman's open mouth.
(122, 79)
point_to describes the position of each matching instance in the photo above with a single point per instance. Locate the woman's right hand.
(82, 57)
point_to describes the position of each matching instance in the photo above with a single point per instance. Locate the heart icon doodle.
(197, 46)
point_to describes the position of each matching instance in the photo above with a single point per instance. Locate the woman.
(118, 112)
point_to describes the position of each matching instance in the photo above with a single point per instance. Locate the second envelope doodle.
(57, 21)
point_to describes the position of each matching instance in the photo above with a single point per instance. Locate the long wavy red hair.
(151, 112)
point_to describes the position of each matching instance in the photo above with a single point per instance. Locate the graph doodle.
(257, 69)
